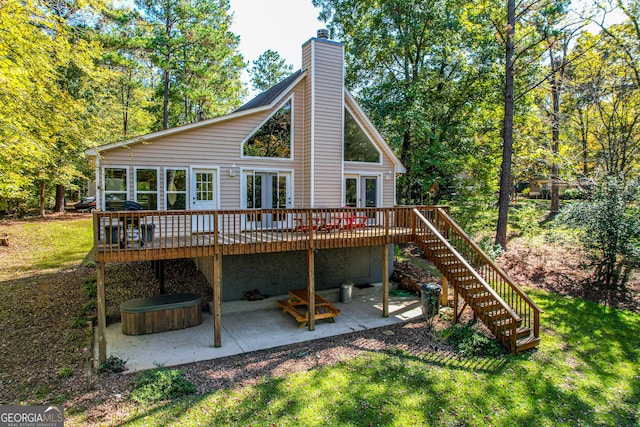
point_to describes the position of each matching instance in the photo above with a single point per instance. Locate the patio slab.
(254, 325)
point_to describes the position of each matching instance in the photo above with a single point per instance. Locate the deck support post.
(216, 261)
(444, 301)
(102, 314)
(311, 287)
(455, 305)
(385, 280)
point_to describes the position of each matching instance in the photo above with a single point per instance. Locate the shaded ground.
(560, 269)
(45, 352)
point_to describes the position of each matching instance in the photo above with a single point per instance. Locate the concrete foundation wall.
(275, 273)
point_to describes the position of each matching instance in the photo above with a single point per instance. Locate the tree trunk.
(405, 158)
(165, 102)
(42, 199)
(59, 207)
(555, 137)
(507, 131)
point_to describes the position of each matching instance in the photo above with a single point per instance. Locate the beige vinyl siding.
(215, 146)
(306, 177)
(328, 115)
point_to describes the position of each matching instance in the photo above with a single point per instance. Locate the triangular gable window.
(357, 145)
(273, 138)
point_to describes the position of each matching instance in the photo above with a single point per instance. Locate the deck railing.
(148, 235)
(515, 298)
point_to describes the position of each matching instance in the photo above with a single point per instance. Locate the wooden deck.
(125, 236)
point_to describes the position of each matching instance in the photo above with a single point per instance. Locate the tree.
(41, 121)
(268, 70)
(190, 42)
(507, 127)
(610, 231)
(424, 71)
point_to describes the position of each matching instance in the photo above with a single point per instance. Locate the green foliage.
(610, 230)
(88, 307)
(112, 365)
(474, 213)
(574, 193)
(468, 342)
(489, 247)
(526, 218)
(426, 74)
(161, 384)
(65, 372)
(91, 288)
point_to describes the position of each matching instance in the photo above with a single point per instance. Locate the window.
(176, 189)
(115, 188)
(273, 138)
(357, 145)
(147, 188)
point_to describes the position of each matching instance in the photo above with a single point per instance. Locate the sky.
(280, 25)
(284, 25)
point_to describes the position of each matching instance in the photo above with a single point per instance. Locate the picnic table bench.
(299, 298)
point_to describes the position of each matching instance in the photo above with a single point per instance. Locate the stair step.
(521, 331)
(496, 315)
(527, 343)
(488, 305)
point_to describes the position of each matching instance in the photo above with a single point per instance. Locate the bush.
(112, 365)
(610, 230)
(161, 384)
(490, 248)
(574, 193)
(469, 342)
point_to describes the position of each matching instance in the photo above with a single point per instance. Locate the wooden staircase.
(512, 317)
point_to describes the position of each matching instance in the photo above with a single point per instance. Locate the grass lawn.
(38, 245)
(586, 372)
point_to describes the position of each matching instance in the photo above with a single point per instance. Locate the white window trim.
(135, 184)
(103, 200)
(366, 132)
(279, 159)
(165, 192)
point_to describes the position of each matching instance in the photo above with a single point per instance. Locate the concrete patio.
(255, 325)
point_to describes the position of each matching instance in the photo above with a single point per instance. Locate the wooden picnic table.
(300, 298)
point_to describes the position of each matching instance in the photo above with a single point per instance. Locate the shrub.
(574, 193)
(112, 365)
(65, 372)
(490, 248)
(610, 231)
(469, 342)
(161, 384)
(91, 289)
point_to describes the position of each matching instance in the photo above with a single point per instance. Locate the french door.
(267, 190)
(361, 191)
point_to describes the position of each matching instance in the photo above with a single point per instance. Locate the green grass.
(584, 373)
(41, 245)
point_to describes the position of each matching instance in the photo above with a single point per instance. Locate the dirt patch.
(560, 269)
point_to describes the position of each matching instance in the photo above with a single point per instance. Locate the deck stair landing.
(506, 310)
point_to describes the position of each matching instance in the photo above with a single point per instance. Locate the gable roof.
(272, 94)
(265, 101)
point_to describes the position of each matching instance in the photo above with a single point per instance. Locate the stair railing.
(521, 303)
(510, 340)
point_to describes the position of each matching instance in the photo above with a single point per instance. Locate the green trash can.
(430, 299)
